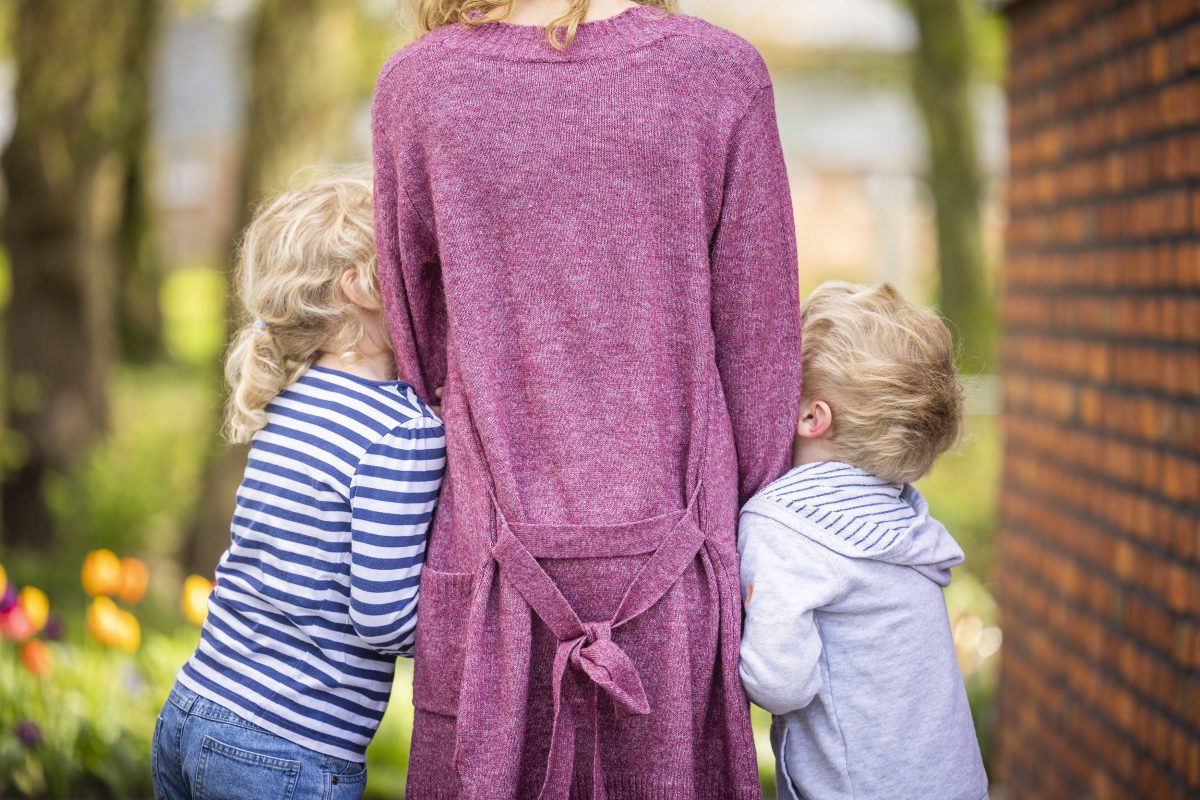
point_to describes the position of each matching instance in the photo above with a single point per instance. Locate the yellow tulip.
(37, 607)
(195, 599)
(101, 573)
(134, 580)
(128, 633)
(103, 620)
(3, 580)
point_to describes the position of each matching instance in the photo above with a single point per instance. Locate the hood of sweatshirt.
(858, 515)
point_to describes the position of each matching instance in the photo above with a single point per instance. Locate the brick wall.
(1100, 507)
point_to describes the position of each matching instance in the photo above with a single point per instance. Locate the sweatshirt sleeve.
(786, 578)
(410, 273)
(392, 498)
(755, 308)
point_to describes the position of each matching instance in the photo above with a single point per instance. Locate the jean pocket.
(226, 772)
(349, 784)
(442, 611)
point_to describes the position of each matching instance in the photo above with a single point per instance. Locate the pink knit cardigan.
(593, 251)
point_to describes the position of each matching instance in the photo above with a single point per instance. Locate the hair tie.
(260, 327)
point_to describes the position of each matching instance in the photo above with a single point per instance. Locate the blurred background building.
(852, 134)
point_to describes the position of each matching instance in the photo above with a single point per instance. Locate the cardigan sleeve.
(410, 273)
(755, 308)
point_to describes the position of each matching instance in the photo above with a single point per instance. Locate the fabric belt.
(587, 649)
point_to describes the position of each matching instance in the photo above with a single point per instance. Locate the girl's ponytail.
(256, 373)
(290, 269)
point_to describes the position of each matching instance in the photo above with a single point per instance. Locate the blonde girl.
(317, 593)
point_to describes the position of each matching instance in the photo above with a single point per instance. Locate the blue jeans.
(205, 751)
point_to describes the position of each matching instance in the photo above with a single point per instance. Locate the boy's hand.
(437, 407)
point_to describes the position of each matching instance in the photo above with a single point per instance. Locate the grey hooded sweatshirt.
(847, 641)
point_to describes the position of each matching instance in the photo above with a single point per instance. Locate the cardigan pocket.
(443, 607)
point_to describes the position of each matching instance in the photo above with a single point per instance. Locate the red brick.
(1099, 575)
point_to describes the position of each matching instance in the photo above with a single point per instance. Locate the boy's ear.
(352, 288)
(816, 418)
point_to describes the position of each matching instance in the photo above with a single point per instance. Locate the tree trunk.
(942, 78)
(65, 175)
(303, 92)
(139, 319)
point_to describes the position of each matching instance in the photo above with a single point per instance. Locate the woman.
(586, 237)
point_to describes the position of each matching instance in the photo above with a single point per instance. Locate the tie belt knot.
(597, 657)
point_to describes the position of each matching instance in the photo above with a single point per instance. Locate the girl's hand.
(437, 407)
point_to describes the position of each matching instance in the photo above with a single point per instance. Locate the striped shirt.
(846, 501)
(317, 593)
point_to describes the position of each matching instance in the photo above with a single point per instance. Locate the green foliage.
(133, 492)
(193, 309)
(991, 48)
(387, 757)
(94, 714)
(962, 489)
(975, 624)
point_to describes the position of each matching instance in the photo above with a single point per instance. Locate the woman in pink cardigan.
(585, 235)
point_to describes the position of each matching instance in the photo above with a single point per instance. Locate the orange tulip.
(3, 579)
(195, 599)
(37, 607)
(35, 656)
(134, 580)
(101, 573)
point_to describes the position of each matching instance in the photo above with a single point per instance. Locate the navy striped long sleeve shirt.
(317, 594)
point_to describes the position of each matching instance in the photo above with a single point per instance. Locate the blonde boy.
(847, 641)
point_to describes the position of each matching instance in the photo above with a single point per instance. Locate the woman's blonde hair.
(289, 274)
(433, 14)
(886, 368)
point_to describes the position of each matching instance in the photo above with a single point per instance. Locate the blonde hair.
(433, 14)
(292, 259)
(886, 368)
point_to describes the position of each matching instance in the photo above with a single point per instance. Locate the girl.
(586, 236)
(317, 595)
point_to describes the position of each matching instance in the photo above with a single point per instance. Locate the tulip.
(29, 733)
(103, 619)
(55, 630)
(8, 598)
(37, 607)
(134, 580)
(15, 624)
(196, 590)
(3, 579)
(101, 573)
(128, 633)
(35, 656)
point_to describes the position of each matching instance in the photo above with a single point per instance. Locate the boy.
(847, 641)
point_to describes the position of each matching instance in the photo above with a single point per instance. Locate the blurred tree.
(139, 321)
(65, 172)
(943, 68)
(305, 87)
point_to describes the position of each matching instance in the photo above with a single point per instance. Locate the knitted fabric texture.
(593, 252)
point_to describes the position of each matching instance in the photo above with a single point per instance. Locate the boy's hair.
(292, 259)
(886, 368)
